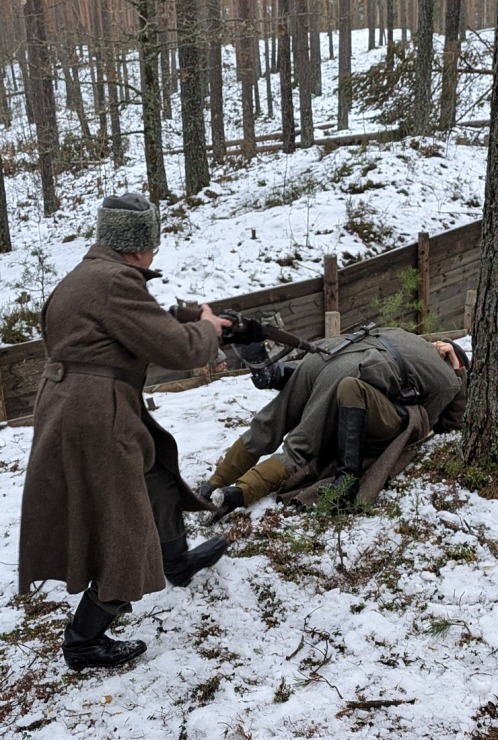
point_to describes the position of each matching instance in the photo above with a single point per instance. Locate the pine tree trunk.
(371, 17)
(165, 76)
(344, 91)
(5, 112)
(112, 87)
(215, 29)
(274, 40)
(304, 75)
(315, 53)
(450, 66)
(5, 243)
(330, 27)
(43, 101)
(403, 20)
(423, 70)
(267, 32)
(192, 104)
(256, 74)
(284, 54)
(463, 20)
(381, 9)
(480, 432)
(245, 46)
(147, 38)
(99, 80)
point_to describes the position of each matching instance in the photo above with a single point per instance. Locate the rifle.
(247, 331)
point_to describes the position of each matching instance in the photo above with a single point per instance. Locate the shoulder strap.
(408, 393)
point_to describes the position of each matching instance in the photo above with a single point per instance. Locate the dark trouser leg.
(180, 563)
(85, 644)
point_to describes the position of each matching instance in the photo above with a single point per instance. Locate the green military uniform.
(304, 415)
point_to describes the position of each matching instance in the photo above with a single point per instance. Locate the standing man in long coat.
(103, 497)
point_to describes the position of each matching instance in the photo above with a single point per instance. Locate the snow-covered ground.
(380, 625)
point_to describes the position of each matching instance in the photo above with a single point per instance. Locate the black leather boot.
(232, 499)
(181, 564)
(85, 644)
(351, 438)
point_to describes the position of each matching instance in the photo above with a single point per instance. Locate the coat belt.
(56, 370)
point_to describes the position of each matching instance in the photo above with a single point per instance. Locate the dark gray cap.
(128, 223)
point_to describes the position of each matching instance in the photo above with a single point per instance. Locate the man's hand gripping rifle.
(244, 330)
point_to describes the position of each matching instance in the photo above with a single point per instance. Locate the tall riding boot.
(181, 564)
(351, 437)
(85, 644)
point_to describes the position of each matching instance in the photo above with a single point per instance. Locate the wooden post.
(151, 404)
(468, 313)
(330, 283)
(423, 286)
(332, 323)
(331, 296)
(3, 409)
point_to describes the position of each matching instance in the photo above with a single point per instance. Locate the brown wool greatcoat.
(86, 514)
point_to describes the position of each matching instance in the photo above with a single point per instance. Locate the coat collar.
(101, 252)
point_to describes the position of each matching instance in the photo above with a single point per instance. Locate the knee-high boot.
(351, 438)
(85, 644)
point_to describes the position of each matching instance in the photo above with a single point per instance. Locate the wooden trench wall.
(448, 265)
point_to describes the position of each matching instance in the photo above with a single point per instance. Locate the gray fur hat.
(128, 223)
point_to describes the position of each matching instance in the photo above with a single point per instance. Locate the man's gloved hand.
(205, 490)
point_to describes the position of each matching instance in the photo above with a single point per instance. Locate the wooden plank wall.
(453, 259)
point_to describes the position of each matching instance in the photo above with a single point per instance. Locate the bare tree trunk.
(112, 87)
(390, 22)
(344, 92)
(5, 112)
(256, 73)
(284, 53)
(479, 14)
(215, 28)
(330, 27)
(99, 81)
(423, 69)
(246, 77)
(412, 15)
(371, 17)
(147, 38)
(194, 135)
(463, 20)
(165, 76)
(315, 55)
(274, 31)
(403, 20)
(266, 34)
(43, 101)
(480, 432)
(450, 66)
(471, 14)
(304, 74)
(5, 243)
